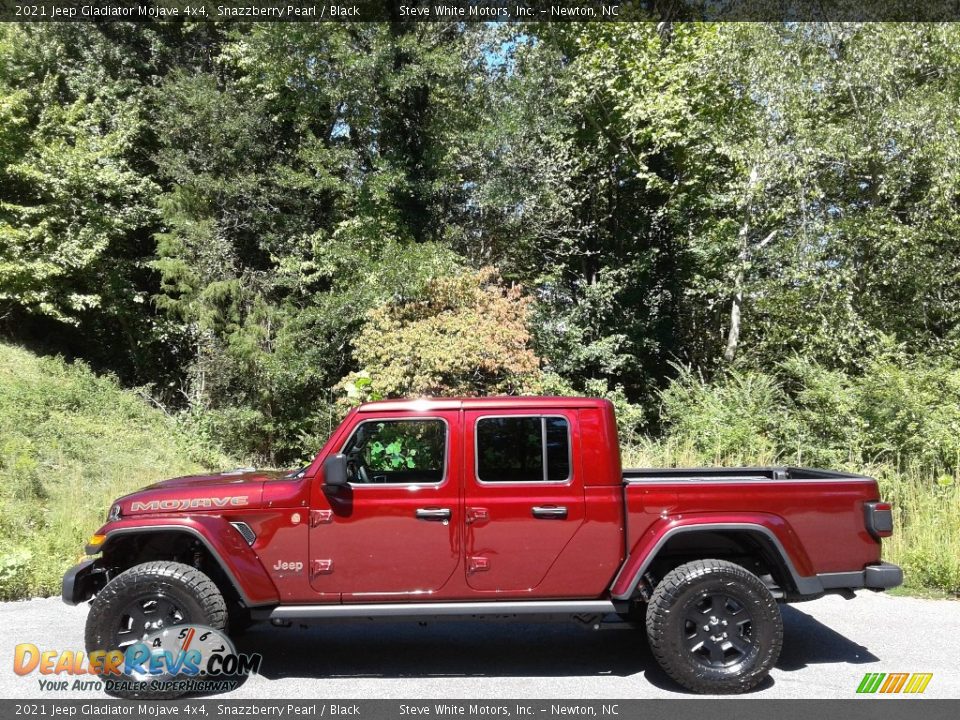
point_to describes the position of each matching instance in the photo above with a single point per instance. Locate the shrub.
(462, 335)
(732, 418)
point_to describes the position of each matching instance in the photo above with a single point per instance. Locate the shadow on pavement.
(807, 641)
(446, 649)
(476, 649)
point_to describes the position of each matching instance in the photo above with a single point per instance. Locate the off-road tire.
(733, 598)
(194, 594)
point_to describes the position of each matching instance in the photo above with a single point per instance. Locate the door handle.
(433, 513)
(550, 513)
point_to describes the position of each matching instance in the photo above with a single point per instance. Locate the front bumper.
(82, 582)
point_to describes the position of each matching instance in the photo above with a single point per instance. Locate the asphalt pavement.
(829, 645)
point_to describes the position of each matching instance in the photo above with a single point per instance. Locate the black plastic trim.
(874, 577)
(489, 608)
(769, 473)
(879, 522)
(882, 576)
(79, 583)
(804, 585)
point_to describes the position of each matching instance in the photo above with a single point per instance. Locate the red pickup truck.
(488, 508)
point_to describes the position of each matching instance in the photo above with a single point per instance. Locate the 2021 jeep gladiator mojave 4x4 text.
(491, 508)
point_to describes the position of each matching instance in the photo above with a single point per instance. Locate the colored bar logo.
(913, 683)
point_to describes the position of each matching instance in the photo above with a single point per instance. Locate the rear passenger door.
(523, 496)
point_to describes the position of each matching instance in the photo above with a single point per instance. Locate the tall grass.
(926, 539)
(71, 442)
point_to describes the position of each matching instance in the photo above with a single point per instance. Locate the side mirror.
(335, 470)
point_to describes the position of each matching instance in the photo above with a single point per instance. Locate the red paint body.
(363, 543)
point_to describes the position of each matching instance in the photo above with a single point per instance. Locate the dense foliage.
(218, 213)
(214, 212)
(744, 235)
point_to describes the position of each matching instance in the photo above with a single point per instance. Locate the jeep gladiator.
(491, 508)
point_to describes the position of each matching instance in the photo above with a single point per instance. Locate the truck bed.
(817, 516)
(773, 472)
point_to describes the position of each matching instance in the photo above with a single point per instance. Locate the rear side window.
(523, 449)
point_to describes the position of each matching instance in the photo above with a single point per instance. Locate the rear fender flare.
(645, 551)
(226, 546)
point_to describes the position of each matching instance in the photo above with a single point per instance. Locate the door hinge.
(478, 563)
(320, 517)
(321, 567)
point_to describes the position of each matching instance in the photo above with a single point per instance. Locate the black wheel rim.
(718, 630)
(148, 614)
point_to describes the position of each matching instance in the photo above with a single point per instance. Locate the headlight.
(114, 513)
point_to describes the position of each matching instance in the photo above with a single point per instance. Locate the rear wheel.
(714, 627)
(148, 598)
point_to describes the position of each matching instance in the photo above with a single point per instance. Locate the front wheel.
(146, 599)
(714, 627)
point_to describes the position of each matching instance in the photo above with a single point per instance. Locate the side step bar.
(434, 609)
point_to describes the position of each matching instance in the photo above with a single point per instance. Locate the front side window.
(397, 451)
(523, 449)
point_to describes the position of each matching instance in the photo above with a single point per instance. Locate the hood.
(242, 488)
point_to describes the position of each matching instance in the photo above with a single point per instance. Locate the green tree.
(307, 184)
(843, 156)
(78, 201)
(601, 158)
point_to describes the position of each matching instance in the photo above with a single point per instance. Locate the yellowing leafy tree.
(464, 335)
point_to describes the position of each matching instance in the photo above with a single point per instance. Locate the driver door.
(393, 532)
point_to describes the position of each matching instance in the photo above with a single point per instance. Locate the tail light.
(879, 518)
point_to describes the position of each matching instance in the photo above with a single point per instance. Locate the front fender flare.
(238, 560)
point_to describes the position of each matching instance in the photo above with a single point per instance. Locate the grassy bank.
(70, 442)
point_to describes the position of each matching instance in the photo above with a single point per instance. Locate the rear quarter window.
(523, 449)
